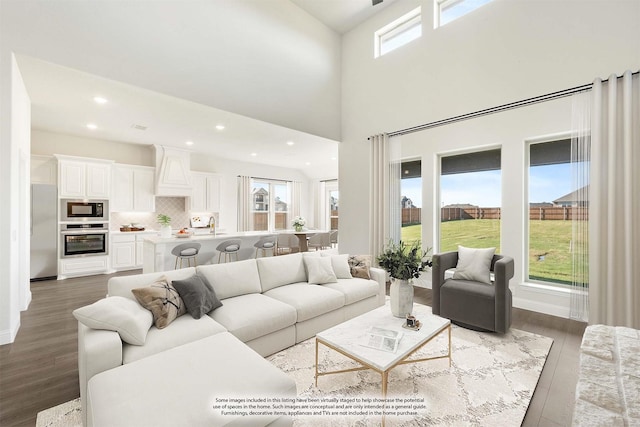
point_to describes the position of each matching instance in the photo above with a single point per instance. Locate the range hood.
(173, 172)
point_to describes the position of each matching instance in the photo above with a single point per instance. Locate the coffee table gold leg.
(316, 362)
(449, 345)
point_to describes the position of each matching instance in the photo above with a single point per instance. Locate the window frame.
(439, 5)
(271, 203)
(395, 28)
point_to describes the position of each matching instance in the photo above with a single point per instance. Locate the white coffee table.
(347, 338)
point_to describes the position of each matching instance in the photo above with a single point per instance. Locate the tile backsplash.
(175, 207)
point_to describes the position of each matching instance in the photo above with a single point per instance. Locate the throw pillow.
(319, 270)
(198, 296)
(474, 264)
(360, 265)
(162, 300)
(340, 265)
(118, 314)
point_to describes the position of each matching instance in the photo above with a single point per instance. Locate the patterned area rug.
(490, 382)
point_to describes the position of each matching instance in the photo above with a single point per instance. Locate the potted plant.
(403, 262)
(165, 225)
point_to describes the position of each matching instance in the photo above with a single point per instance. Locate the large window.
(470, 200)
(411, 191)
(553, 208)
(271, 202)
(398, 33)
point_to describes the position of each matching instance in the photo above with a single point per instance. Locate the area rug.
(490, 382)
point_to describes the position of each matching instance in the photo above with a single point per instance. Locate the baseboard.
(27, 301)
(8, 336)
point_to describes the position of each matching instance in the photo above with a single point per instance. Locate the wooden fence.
(550, 213)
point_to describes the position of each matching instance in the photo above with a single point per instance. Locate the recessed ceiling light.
(92, 126)
(290, 142)
(220, 127)
(308, 163)
(189, 142)
(100, 100)
(254, 154)
(333, 158)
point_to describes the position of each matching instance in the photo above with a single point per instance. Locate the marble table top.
(349, 336)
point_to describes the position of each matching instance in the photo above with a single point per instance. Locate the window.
(270, 204)
(411, 191)
(470, 200)
(450, 10)
(334, 198)
(552, 209)
(398, 33)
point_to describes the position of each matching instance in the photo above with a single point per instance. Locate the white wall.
(503, 52)
(14, 187)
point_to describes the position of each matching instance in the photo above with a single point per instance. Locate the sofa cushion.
(340, 264)
(355, 289)
(360, 265)
(183, 330)
(281, 270)
(122, 285)
(232, 278)
(474, 264)
(319, 270)
(163, 300)
(308, 300)
(128, 318)
(253, 315)
(198, 296)
(181, 384)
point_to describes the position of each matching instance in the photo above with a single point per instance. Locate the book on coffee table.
(382, 339)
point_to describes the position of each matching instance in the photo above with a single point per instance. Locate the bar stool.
(186, 251)
(229, 248)
(265, 244)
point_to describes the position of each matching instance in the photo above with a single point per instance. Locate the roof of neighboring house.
(572, 197)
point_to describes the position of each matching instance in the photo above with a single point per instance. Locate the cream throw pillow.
(474, 264)
(340, 264)
(119, 314)
(320, 270)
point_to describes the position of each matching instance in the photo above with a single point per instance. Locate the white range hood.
(173, 172)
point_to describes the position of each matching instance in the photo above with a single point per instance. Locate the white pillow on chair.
(474, 264)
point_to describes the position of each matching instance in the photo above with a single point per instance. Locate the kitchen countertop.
(205, 235)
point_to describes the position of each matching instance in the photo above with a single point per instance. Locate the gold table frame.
(383, 373)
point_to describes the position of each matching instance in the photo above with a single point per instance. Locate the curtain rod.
(492, 110)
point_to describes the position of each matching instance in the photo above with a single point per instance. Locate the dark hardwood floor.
(39, 370)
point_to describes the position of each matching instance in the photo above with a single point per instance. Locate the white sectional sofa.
(268, 305)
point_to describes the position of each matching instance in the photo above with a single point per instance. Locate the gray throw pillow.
(198, 296)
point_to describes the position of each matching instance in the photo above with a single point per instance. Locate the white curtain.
(580, 164)
(384, 194)
(614, 212)
(244, 203)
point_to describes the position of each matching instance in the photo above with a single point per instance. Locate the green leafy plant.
(404, 262)
(164, 220)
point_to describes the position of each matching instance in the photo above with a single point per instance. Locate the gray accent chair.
(470, 304)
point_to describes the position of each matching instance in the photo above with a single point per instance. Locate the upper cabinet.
(84, 178)
(205, 196)
(44, 170)
(133, 189)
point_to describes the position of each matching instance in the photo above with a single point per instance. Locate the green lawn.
(549, 254)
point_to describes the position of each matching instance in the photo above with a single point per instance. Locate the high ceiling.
(175, 110)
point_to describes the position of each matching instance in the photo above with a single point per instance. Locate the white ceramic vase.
(165, 231)
(401, 298)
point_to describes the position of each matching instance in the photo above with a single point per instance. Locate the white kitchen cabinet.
(82, 266)
(205, 196)
(44, 170)
(83, 178)
(133, 189)
(127, 250)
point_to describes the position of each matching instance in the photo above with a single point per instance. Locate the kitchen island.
(157, 250)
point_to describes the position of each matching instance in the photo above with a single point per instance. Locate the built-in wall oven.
(84, 210)
(84, 239)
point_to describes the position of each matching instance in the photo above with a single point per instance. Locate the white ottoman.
(178, 387)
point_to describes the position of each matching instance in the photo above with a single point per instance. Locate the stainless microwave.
(84, 210)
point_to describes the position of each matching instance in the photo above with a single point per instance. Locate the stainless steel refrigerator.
(44, 232)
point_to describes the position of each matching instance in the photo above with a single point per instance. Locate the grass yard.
(549, 243)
